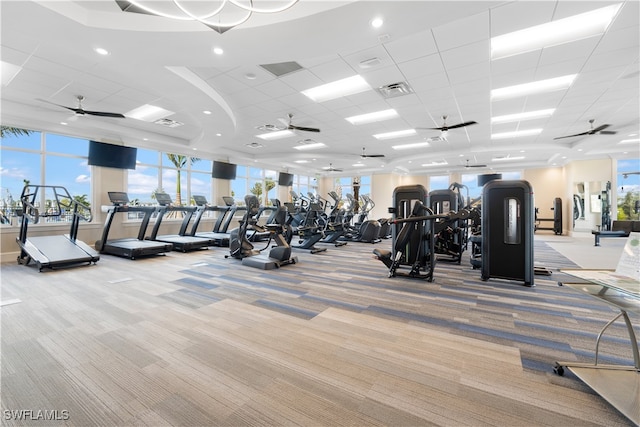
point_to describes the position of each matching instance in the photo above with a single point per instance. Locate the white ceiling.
(440, 48)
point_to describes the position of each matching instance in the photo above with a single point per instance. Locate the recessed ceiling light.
(358, 165)
(276, 135)
(515, 134)
(377, 22)
(207, 112)
(529, 115)
(395, 134)
(218, 134)
(64, 123)
(554, 33)
(376, 116)
(548, 85)
(408, 146)
(344, 87)
(218, 50)
(629, 141)
(250, 76)
(301, 161)
(101, 51)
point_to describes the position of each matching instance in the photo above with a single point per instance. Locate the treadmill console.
(118, 198)
(200, 200)
(163, 199)
(228, 200)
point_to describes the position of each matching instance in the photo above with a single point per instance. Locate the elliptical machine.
(241, 248)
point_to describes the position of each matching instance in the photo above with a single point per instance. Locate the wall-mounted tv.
(223, 170)
(483, 179)
(112, 156)
(285, 179)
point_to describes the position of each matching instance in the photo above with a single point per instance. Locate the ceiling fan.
(445, 127)
(330, 168)
(600, 129)
(287, 126)
(366, 156)
(79, 111)
(468, 166)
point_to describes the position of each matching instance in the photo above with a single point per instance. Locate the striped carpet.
(200, 340)
(546, 322)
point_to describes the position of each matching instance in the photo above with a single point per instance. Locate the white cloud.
(83, 179)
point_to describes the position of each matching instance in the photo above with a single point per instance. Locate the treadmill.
(182, 241)
(220, 234)
(131, 248)
(53, 251)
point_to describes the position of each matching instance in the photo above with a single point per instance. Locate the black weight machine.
(411, 234)
(451, 233)
(557, 218)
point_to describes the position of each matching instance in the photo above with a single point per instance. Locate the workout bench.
(618, 229)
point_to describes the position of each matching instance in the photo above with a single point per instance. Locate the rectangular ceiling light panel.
(529, 115)
(376, 116)
(540, 86)
(507, 159)
(276, 135)
(409, 146)
(148, 113)
(516, 134)
(311, 146)
(554, 33)
(395, 134)
(337, 89)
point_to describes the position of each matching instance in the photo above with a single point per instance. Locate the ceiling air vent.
(395, 89)
(282, 68)
(168, 123)
(254, 145)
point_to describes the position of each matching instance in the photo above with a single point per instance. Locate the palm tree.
(179, 162)
(8, 131)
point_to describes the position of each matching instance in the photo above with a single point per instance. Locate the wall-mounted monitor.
(112, 156)
(285, 179)
(483, 179)
(223, 170)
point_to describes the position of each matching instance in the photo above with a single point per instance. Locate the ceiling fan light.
(554, 33)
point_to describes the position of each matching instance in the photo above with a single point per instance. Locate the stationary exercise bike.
(241, 248)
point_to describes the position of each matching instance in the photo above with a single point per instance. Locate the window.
(144, 181)
(42, 159)
(628, 203)
(438, 182)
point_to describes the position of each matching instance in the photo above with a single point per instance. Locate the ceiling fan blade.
(571, 136)
(476, 166)
(364, 156)
(599, 128)
(459, 125)
(103, 114)
(306, 129)
(607, 132)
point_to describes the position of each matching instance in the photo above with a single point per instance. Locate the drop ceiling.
(433, 59)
